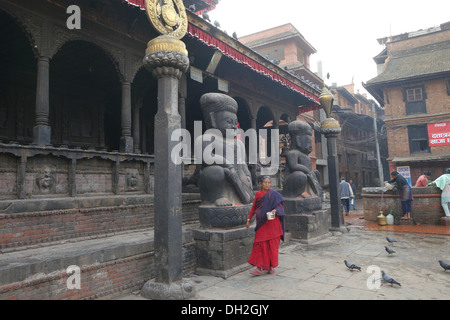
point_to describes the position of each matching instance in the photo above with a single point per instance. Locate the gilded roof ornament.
(168, 17)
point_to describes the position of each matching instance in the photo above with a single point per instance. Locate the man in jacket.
(346, 194)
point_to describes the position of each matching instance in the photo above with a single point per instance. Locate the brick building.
(413, 85)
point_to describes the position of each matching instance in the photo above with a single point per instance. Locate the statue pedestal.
(302, 205)
(223, 217)
(223, 253)
(306, 221)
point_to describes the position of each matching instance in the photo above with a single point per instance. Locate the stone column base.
(223, 253)
(42, 135)
(179, 290)
(308, 227)
(126, 144)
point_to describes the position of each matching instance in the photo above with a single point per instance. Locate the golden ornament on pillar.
(326, 100)
(168, 17)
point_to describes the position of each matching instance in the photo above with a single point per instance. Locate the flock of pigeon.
(387, 278)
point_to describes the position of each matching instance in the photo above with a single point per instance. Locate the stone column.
(331, 129)
(166, 57)
(126, 140)
(42, 131)
(136, 128)
(331, 134)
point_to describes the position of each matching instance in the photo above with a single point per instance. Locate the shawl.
(272, 199)
(442, 181)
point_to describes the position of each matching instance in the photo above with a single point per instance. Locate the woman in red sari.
(268, 233)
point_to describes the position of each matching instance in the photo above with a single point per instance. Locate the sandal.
(256, 272)
(272, 270)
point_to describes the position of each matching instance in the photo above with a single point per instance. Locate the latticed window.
(414, 94)
(415, 98)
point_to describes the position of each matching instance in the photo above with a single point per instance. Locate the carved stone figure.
(225, 181)
(132, 181)
(301, 182)
(45, 181)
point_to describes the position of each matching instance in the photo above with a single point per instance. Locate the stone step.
(31, 223)
(103, 268)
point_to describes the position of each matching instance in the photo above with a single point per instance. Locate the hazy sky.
(344, 33)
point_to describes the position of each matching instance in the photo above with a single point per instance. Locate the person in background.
(423, 179)
(353, 200)
(443, 183)
(346, 194)
(269, 230)
(405, 193)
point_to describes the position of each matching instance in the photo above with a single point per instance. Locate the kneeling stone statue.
(301, 183)
(225, 182)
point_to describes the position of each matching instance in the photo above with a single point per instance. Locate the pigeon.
(351, 266)
(389, 279)
(390, 240)
(216, 23)
(235, 35)
(192, 7)
(389, 250)
(444, 265)
(206, 16)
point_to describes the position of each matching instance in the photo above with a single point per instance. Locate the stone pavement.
(317, 271)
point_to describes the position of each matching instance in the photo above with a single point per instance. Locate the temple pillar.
(126, 140)
(166, 57)
(42, 131)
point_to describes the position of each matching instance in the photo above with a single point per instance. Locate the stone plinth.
(223, 253)
(178, 290)
(308, 227)
(302, 205)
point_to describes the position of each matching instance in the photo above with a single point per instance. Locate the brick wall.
(82, 218)
(418, 41)
(426, 206)
(104, 280)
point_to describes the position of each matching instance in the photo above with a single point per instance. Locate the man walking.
(346, 194)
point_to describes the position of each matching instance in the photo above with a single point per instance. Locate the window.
(414, 95)
(415, 100)
(418, 139)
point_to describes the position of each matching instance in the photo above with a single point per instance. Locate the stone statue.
(225, 182)
(301, 182)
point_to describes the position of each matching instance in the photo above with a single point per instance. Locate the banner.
(439, 134)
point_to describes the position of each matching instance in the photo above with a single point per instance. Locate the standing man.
(353, 200)
(346, 194)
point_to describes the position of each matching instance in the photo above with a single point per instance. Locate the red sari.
(264, 253)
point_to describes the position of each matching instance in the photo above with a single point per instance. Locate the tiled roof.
(421, 61)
